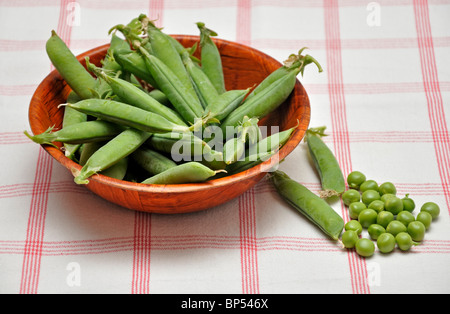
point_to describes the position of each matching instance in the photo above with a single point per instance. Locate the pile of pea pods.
(142, 115)
(388, 218)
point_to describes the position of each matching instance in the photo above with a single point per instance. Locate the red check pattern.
(256, 243)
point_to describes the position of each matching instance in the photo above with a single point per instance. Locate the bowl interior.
(243, 67)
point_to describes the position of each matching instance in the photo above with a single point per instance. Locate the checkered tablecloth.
(384, 96)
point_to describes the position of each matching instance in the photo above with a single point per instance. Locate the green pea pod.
(71, 70)
(270, 143)
(127, 115)
(163, 48)
(160, 97)
(313, 207)
(72, 116)
(133, 95)
(191, 172)
(214, 160)
(233, 150)
(79, 133)
(88, 149)
(332, 179)
(295, 61)
(186, 104)
(226, 103)
(117, 171)
(152, 161)
(206, 92)
(263, 103)
(248, 162)
(179, 145)
(211, 59)
(133, 62)
(111, 153)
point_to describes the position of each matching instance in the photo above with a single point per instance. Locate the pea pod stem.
(330, 173)
(313, 207)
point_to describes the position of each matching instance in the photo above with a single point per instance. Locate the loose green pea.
(375, 231)
(369, 196)
(369, 185)
(351, 196)
(408, 203)
(355, 179)
(417, 230)
(425, 218)
(432, 208)
(355, 209)
(394, 205)
(395, 227)
(349, 239)
(354, 225)
(386, 243)
(365, 247)
(384, 218)
(377, 205)
(367, 217)
(387, 188)
(405, 217)
(404, 241)
(387, 196)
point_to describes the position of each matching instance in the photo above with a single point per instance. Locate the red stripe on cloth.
(248, 243)
(156, 12)
(196, 242)
(35, 228)
(433, 94)
(244, 22)
(358, 269)
(142, 243)
(38, 209)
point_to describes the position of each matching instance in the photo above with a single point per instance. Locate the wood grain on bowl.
(243, 67)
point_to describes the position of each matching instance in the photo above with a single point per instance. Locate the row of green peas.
(388, 218)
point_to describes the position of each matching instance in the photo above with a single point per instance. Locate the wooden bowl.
(243, 67)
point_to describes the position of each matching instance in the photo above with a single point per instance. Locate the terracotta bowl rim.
(259, 170)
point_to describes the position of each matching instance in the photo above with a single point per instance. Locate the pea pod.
(111, 153)
(127, 115)
(332, 179)
(71, 70)
(72, 116)
(163, 48)
(265, 102)
(133, 95)
(270, 143)
(79, 133)
(313, 207)
(211, 59)
(224, 104)
(206, 91)
(191, 172)
(133, 62)
(248, 162)
(152, 161)
(179, 145)
(117, 171)
(295, 61)
(186, 104)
